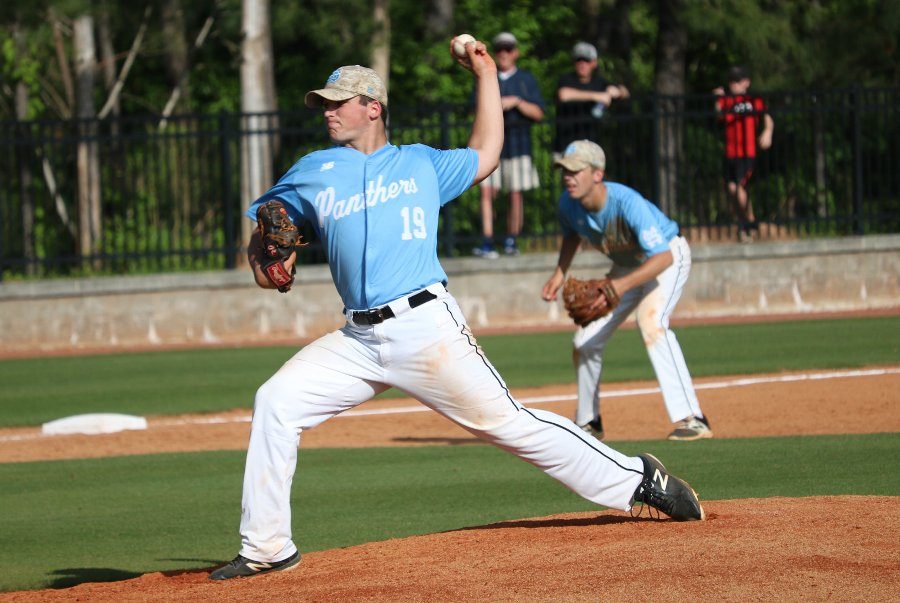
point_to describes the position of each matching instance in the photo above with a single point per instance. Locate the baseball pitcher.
(375, 208)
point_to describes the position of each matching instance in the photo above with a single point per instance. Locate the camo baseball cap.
(581, 154)
(346, 82)
(585, 51)
(504, 40)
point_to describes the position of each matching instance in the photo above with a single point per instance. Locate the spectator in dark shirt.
(523, 106)
(582, 96)
(741, 113)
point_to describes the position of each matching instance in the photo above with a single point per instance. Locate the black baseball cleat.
(664, 492)
(241, 567)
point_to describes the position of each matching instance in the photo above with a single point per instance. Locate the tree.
(88, 150)
(23, 157)
(258, 101)
(439, 23)
(175, 49)
(670, 53)
(381, 41)
(108, 57)
(63, 61)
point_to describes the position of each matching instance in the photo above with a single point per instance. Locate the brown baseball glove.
(280, 238)
(586, 301)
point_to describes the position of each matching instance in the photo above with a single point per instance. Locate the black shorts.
(739, 169)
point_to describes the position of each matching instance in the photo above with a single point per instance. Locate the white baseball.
(459, 44)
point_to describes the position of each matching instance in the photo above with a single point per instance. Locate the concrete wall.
(820, 275)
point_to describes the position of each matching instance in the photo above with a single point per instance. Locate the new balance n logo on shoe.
(679, 502)
(258, 566)
(241, 567)
(662, 478)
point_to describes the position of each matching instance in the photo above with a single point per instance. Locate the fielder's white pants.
(655, 301)
(429, 353)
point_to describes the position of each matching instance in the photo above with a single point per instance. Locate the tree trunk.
(112, 100)
(175, 50)
(108, 63)
(609, 30)
(669, 85)
(439, 23)
(24, 154)
(63, 59)
(623, 40)
(88, 151)
(821, 168)
(381, 40)
(108, 57)
(595, 30)
(257, 96)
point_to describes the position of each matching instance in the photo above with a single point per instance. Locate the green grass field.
(38, 390)
(67, 522)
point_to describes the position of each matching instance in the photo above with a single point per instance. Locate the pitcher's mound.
(777, 549)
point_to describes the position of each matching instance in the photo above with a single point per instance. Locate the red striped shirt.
(741, 114)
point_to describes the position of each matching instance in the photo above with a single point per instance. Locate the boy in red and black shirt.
(741, 113)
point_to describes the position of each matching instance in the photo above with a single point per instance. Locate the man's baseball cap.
(738, 73)
(584, 51)
(581, 154)
(346, 82)
(504, 41)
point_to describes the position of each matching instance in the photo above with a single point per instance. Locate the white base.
(94, 423)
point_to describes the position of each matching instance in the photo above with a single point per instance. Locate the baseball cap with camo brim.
(346, 82)
(581, 154)
(504, 40)
(585, 51)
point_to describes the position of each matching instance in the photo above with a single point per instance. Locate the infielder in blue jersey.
(651, 264)
(375, 208)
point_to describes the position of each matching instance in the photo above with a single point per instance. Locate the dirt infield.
(840, 548)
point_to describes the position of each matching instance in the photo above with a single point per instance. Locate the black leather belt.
(379, 315)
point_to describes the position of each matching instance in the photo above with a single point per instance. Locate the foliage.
(433, 76)
(156, 182)
(785, 44)
(23, 69)
(789, 45)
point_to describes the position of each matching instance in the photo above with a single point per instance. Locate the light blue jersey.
(629, 229)
(376, 215)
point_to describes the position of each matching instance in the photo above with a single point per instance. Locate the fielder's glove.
(280, 238)
(586, 301)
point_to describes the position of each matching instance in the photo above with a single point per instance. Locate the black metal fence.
(144, 195)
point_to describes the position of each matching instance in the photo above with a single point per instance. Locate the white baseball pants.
(429, 353)
(655, 301)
